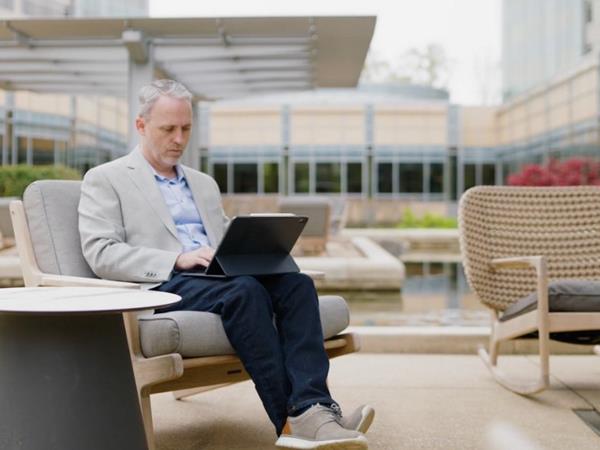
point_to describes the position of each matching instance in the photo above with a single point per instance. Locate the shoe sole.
(358, 443)
(367, 414)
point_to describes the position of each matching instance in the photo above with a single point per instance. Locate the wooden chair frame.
(165, 373)
(540, 319)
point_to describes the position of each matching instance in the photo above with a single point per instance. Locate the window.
(488, 174)
(43, 151)
(245, 178)
(328, 177)
(220, 176)
(301, 178)
(271, 178)
(436, 178)
(410, 178)
(21, 151)
(384, 178)
(354, 177)
(470, 178)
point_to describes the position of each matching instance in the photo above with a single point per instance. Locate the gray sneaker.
(318, 428)
(360, 420)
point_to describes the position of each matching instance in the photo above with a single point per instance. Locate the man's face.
(165, 132)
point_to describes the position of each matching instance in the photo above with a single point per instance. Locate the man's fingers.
(203, 261)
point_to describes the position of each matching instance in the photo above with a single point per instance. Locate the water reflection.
(434, 294)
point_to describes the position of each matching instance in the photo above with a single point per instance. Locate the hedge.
(14, 179)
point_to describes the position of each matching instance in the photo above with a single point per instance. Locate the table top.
(81, 300)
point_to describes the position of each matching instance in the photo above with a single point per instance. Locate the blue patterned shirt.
(180, 203)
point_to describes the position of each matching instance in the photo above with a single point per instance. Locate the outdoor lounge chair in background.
(316, 232)
(532, 255)
(176, 351)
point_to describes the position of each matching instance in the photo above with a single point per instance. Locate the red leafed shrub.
(571, 172)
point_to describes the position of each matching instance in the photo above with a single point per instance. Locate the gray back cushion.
(51, 210)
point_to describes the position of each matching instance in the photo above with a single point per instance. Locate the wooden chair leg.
(519, 387)
(147, 418)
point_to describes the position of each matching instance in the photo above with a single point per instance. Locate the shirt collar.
(180, 175)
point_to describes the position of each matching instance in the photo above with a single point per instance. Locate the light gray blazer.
(127, 232)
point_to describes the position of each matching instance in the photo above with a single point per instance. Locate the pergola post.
(8, 127)
(140, 72)
(191, 157)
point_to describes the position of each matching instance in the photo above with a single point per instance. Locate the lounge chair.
(532, 255)
(316, 232)
(177, 351)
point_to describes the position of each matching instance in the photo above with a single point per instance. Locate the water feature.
(433, 294)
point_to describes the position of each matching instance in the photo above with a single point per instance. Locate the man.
(145, 218)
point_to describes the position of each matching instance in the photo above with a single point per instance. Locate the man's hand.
(199, 257)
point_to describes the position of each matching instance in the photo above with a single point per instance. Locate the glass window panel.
(488, 174)
(301, 178)
(328, 177)
(354, 177)
(410, 178)
(469, 176)
(271, 178)
(436, 178)
(220, 176)
(21, 150)
(384, 177)
(245, 178)
(43, 151)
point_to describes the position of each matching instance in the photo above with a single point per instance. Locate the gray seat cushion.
(564, 296)
(194, 334)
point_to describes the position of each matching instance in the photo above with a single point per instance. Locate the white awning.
(214, 58)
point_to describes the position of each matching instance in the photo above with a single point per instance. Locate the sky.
(468, 30)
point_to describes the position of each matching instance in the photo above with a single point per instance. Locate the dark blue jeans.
(285, 358)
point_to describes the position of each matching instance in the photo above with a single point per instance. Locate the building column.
(191, 157)
(285, 175)
(368, 181)
(203, 135)
(140, 73)
(8, 127)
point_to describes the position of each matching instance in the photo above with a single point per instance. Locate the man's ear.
(140, 125)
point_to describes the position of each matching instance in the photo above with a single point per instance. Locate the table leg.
(66, 382)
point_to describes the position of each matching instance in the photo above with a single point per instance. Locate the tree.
(428, 66)
(572, 172)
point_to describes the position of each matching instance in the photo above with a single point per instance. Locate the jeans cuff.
(327, 401)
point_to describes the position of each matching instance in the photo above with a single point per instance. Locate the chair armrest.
(65, 280)
(517, 262)
(541, 270)
(314, 274)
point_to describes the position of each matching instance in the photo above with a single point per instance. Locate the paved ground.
(422, 402)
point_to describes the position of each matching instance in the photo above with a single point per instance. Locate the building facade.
(541, 39)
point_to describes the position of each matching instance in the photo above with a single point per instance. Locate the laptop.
(257, 245)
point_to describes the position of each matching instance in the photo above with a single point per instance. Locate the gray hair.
(150, 93)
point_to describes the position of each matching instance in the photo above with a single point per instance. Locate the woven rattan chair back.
(560, 223)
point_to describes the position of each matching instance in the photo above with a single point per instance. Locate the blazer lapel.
(143, 178)
(201, 203)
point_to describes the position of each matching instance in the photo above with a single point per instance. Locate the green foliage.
(14, 179)
(429, 220)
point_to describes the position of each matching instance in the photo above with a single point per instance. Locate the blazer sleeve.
(103, 237)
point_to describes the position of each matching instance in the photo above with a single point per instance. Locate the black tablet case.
(256, 245)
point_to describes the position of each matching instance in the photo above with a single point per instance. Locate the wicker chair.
(525, 252)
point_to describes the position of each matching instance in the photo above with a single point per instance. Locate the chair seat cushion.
(194, 334)
(564, 296)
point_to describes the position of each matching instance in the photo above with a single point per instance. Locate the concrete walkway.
(422, 401)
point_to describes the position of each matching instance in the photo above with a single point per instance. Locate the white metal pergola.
(214, 58)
